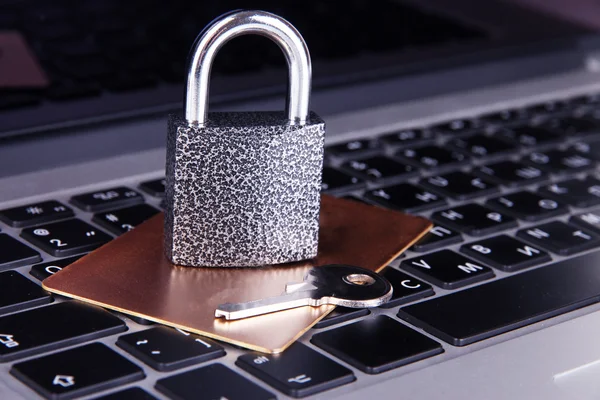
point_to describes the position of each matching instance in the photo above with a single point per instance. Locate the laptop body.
(552, 358)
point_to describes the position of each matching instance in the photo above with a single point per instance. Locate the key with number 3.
(341, 285)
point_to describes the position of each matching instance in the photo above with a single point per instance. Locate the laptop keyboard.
(512, 196)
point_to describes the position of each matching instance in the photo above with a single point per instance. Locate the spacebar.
(497, 307)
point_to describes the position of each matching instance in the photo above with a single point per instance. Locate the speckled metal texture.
(243, 190)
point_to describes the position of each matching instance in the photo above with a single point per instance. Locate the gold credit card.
(131, 275)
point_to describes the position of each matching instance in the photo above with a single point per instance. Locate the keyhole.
(359, 279)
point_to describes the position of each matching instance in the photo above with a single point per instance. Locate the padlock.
(243, 188)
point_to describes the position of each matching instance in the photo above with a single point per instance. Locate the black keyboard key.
(457, 127)
(405, 197)
(134, 393)
(586, 100)
(589, 150)
(560, 238)
(527, 206)
(505, 253)
(447, 269)
(480, 146)
(379, 169)
(44, 270)
(137, 320)
(19, 293)
(409, 137)
(572, 126)
(154, 188)
(589, 221)
(587, 111)
(509, 303)
(355, 148)
(548, 107)
(406, 288)
(214, 381)
(77, 372)
(528, 136)
(431, 157)
(107, 199)
(474, 219)
(559, 161)
(334, 180)
(510, 173)
(437, 238)
(298, 372)
(459, 185)
(575, 192)
(504, 117)
(341, 314)
(66, 238)
(14, 254)
(124, 219)
(37, 213)
(376, 345)
(55, 326)
(166, 349)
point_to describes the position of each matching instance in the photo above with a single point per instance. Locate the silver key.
(340, 285)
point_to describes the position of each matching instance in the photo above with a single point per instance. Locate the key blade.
(299, 287)
(233, 311)
(340, 284)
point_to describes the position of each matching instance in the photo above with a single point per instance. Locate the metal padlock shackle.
(239, 23)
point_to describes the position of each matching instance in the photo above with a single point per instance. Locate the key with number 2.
(341, 285)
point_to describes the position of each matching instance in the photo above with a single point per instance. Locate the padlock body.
(243, 190)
